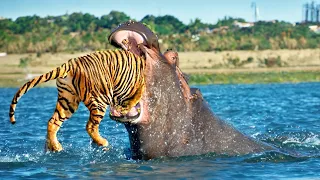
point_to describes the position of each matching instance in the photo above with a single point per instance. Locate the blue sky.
(208, 11)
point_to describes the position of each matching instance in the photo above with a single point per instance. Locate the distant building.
(220, 29)
(2, 54)
(195, 38)
(2, 18)
(50, 21)
(74, 34)
(272, 21)
(315, 28)
(243, 24)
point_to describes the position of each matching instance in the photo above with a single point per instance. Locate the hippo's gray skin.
(169, 125)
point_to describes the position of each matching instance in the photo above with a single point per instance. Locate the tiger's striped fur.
(111, 77)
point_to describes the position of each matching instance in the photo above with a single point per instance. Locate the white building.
(243, 24)
(315, 28)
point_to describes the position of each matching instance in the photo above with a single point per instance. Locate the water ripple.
(286, 116)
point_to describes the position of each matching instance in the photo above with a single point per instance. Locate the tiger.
(102, 78)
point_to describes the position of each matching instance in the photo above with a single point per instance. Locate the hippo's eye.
(130, 22)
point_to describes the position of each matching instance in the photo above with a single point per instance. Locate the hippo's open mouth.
(131, 117)
(131, 34)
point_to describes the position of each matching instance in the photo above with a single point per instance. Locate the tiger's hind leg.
(67, 104)
(97, 112)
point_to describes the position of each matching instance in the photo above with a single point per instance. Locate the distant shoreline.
(226, 67)
(217, 78)
(255, 77)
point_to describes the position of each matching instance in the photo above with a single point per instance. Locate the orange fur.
(99, 79)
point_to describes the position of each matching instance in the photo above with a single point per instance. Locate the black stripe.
(11, 114)
(38, 80)
(78, 78)
(74, 82)
(28, 86)
(23, 87)
(58, 114)
(99, 108)
(104, 99)
(98, 115)
(49, 78)
(63, 106)
(52, 121)
(85, 95)
(66, 89)
(89, 105)
(56, 124)
(94, 121)
(11, 109)
(71, 109)
(58, 72)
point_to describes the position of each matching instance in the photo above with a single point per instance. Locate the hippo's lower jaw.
(133, 116)
(125, 119)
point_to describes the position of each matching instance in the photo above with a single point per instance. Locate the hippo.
(175, 120)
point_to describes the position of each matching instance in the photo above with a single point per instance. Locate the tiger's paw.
(103, 142)
(106, 148)
(53, 147)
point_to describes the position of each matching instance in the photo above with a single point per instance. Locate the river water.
(286, 116)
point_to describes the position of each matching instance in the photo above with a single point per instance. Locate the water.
(284, 115)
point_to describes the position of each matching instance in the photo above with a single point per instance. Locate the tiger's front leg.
(97, 113)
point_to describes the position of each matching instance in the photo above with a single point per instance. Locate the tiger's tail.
(59, 72)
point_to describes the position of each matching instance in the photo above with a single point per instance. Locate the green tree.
(164, 25)
(112, 20)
